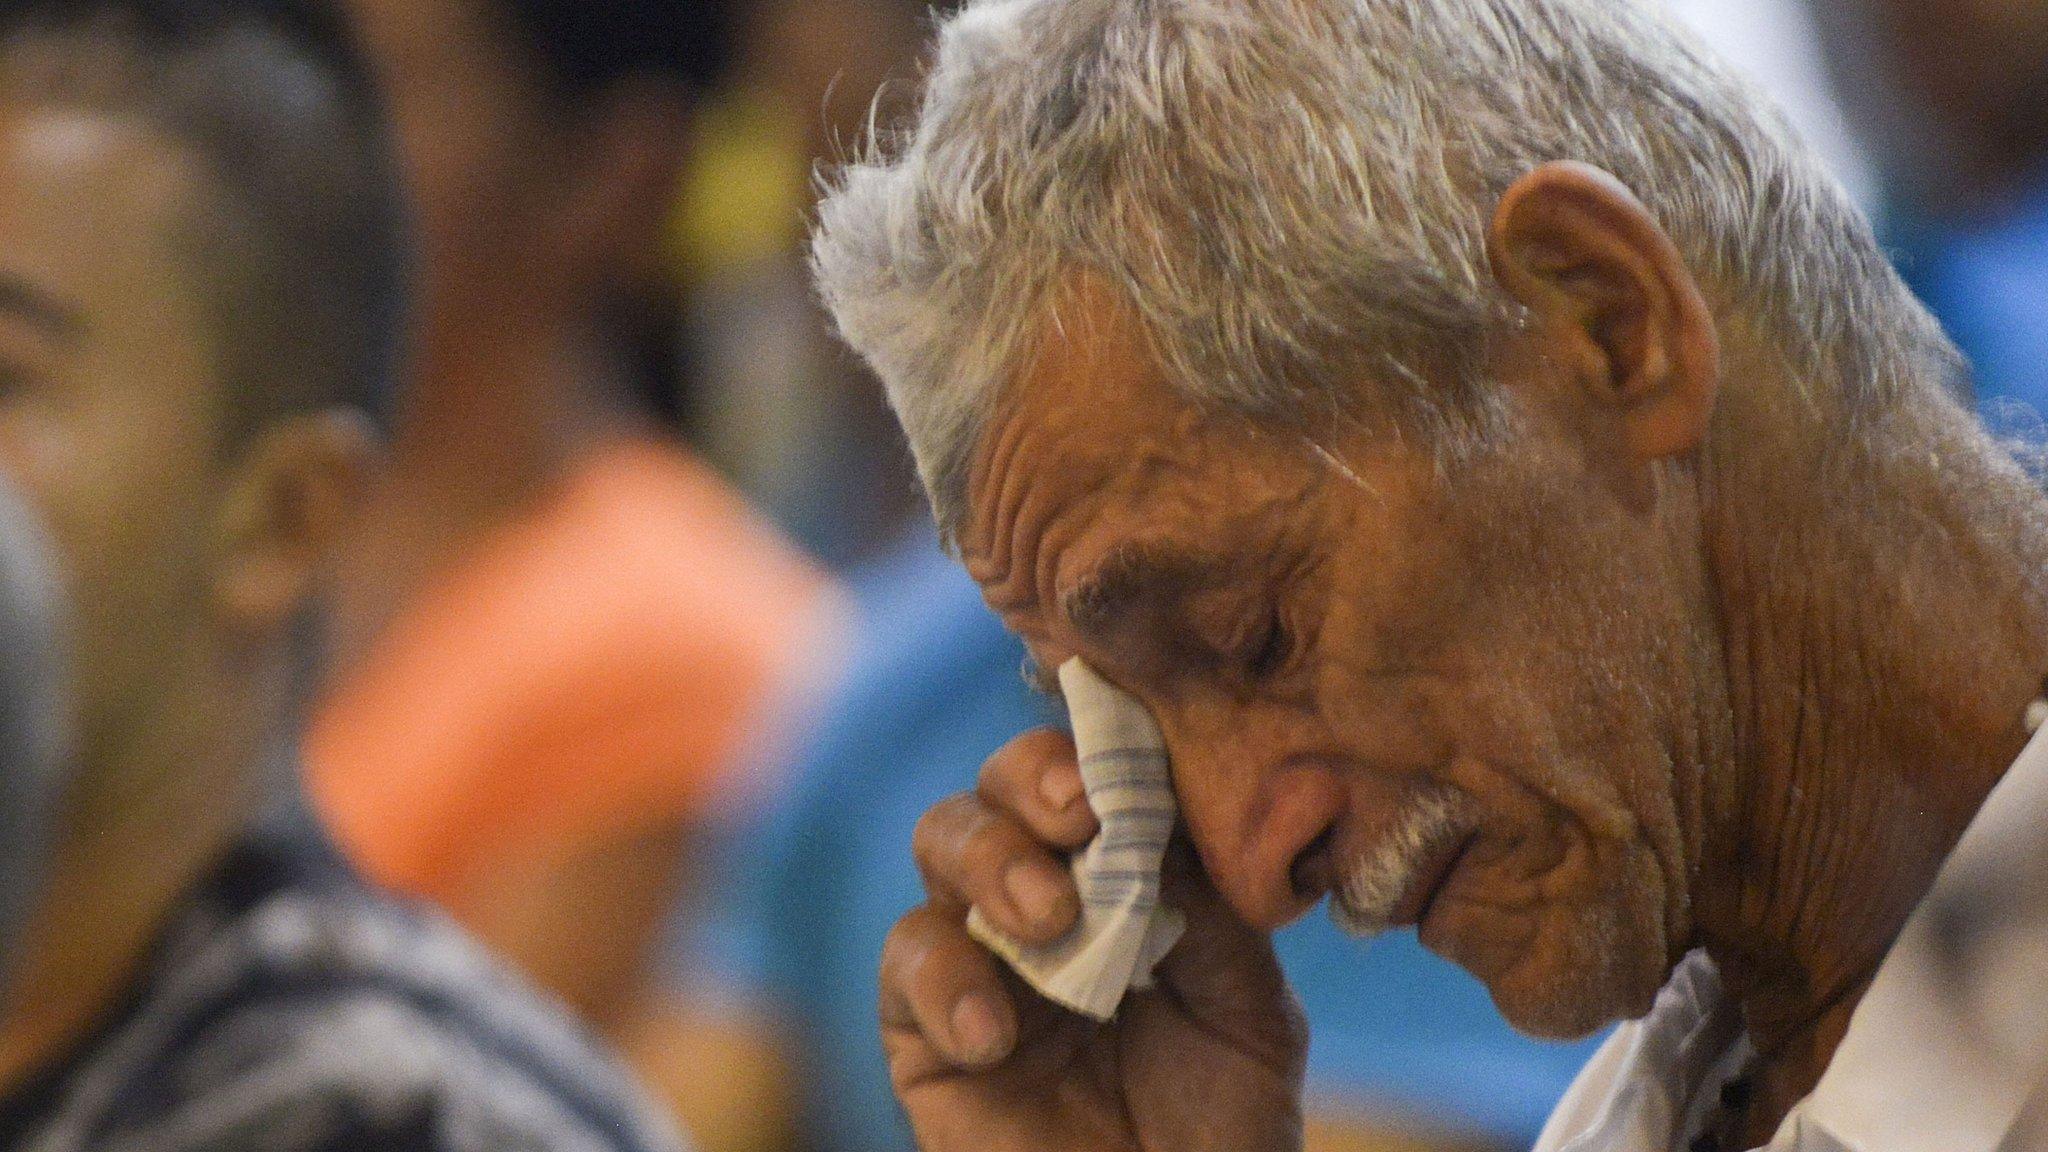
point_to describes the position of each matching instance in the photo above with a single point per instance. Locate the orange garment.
(598, 668)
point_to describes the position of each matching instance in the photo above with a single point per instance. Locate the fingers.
(1036, 779)
(973, 853)
(1004, 847)
(942, 989)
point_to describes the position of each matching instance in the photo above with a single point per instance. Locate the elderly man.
(1530, 505)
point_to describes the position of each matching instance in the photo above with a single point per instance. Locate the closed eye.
(1274, 645)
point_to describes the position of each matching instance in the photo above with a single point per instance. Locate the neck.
(1872, 711)
(492, 421)
(144, 821)
(493, 414)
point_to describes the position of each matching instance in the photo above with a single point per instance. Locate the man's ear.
(1613, 300)
(293, 497)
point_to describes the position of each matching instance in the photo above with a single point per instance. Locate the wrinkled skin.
(1321, 650)
(1572, 706)
(1333, 634)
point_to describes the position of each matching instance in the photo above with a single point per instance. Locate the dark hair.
(585, 46)
(301, 245)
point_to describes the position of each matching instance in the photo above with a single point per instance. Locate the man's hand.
(1209, 1058)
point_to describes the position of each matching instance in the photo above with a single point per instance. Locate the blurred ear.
(629, 150)
(1612, 302)
(294, 495)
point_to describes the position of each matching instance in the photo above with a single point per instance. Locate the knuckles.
(905, 948)
(936, 840)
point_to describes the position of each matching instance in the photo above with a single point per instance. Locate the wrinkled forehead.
(1087, 427)
(1094, 457)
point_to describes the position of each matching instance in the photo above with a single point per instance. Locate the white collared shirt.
(1947, 1051)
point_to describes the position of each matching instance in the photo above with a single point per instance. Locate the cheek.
(1570, 801)
(1222, 754)
(1393, 720)
(122, 496)
(1565, 908)
(1592, 951)
(59, 465)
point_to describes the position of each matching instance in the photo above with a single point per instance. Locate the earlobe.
(1612, 297)
(296, 491)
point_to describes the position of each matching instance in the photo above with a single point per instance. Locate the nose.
(1264, 837)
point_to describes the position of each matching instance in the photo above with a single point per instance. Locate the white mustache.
(1364, 902)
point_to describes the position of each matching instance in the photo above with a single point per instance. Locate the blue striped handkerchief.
(1124, 929)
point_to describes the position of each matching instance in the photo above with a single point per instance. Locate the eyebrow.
(41, 310)
(1131, 576)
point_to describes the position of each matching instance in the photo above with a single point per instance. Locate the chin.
(1575, 969)
(1570, 998)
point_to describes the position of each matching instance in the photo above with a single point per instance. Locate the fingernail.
(1036, 894)
(1060, 788)
(978, 1029)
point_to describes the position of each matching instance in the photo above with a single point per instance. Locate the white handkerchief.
(1124, 930)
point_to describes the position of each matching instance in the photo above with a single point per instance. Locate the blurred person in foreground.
(1954, 98)
(1535, 511)
(816, 880)
(34, 722)
(563, 638)
(202, 271)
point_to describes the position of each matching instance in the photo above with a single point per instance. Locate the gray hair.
(1293, 195)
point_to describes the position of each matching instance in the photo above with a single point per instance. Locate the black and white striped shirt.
(290, 1009)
